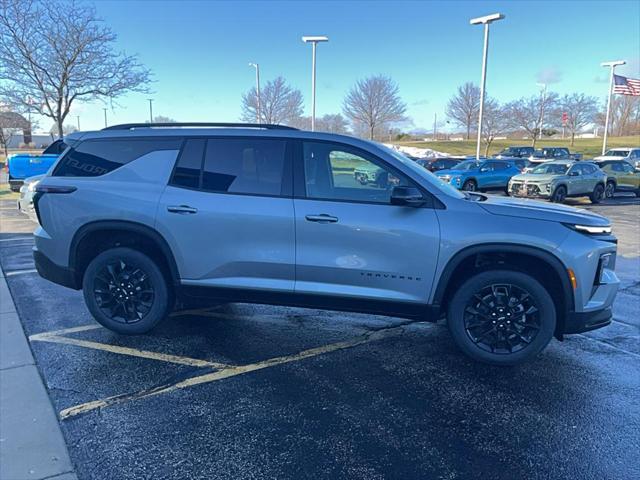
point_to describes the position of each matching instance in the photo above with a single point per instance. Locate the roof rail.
(131, 126)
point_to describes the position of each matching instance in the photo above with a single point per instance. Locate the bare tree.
(625, 115)
(66, 129)
(331, 122)
(464, 105)
(279, 103)
(163, 119)
(11, 124)
(374, 102)
(60, 52)
(494, 122)
(581, 110)
(524, 113)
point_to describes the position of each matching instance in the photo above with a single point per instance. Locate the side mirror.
(409, 196)
(484, 169)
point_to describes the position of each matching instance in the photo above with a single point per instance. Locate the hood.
(535, 178)
(608, 157)
(553, 212)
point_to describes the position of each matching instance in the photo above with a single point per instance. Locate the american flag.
(626, 86)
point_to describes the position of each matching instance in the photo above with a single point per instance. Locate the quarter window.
(98, 157)
(334, 172)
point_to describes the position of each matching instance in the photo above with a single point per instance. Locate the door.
(576, 184)
(591, 177)
(628, 177)
(228, 214)
(351, 241)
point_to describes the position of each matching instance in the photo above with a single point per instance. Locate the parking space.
(247, 391)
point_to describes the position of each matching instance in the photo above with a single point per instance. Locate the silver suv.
(146, 217)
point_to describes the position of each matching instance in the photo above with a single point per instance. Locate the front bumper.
(585, 321)
(55, 273)
(528, 191)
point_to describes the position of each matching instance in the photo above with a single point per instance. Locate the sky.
(199, 51)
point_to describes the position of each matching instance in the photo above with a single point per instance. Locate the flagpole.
(612, 65)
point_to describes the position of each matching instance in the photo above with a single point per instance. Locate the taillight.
(40, 190)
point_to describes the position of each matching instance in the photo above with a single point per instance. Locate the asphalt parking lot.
(243, 391)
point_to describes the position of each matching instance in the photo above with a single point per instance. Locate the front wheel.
(470, 186)
(559, 194)
(126, 291)
(501, 317)
(610, 189)
(598, 194)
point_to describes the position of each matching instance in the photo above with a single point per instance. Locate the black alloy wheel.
(502, 318)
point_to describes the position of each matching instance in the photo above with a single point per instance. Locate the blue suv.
(474, 175)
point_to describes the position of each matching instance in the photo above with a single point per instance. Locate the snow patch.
(417, 152)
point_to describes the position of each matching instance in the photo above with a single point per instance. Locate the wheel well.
(612, 180)
(98, 240)
(531, 264)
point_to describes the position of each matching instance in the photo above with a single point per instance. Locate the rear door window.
(252, 166)
(93, 158)
(189, 164)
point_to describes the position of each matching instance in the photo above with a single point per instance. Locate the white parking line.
(19, 272)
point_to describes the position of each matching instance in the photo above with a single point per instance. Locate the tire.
(610, 189)
(559, 194)
(484, 338)
(470, 186)
(598, 194)
(141, 280)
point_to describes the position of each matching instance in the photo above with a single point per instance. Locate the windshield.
(423, 172)
(551, 168)
(508, 151)
(617, 153)
(466, 165)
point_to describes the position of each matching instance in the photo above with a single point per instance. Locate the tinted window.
(240, 165)
(576, 169)
(97, 157)
(332, 172)
(189, 165)
(500, 166)
(56, 148)
(628, 168)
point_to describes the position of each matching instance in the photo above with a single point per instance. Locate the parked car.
(553, 153)
(27, 191)
(370, 173)
(515, 152)
(142, 219)
(630, 154)
(472, 175)
(557, 180)
(437, 163)
(621, 177)
(25, 165)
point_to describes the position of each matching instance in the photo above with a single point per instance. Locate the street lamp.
(314, 40)
(612, 65)
(543, 99)
(257, 67)
(150, 110)
(486, 20)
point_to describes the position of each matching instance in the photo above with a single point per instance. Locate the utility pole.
(105, 117)
(257, 67)
(543, 100)
(78, 118)
(435, 123)
(613, 66)
(486, 21)
(150, 110)
(314, 42)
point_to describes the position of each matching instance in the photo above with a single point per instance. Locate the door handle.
(322, 218)
(182, 209)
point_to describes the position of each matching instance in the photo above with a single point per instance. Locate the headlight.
(32, 186)
(456, 180)
(589, 230)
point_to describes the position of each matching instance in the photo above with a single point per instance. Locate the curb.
(31, 442)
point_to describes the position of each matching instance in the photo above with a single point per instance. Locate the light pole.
(314, 40)
(543, 99)
(612, 65)
(105, 117)
(150, 110)
(486, 20)
(257, 67)
(78, 118)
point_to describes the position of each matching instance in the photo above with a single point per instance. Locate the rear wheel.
(126, 291)
(501, 317)
(559, 194)
(470, 186)
(610, 189)
(598, 194)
